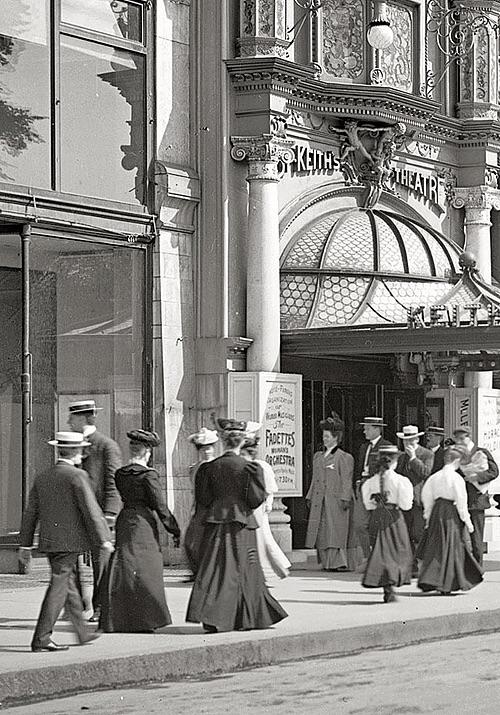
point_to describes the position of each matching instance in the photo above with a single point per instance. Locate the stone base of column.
(280, 525)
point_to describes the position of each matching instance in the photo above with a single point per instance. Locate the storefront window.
(102, 121)
(86, 340)
(25, 105)
(72, 97)
(112, 17)
(10, 392)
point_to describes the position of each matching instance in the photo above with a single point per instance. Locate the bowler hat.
(408, 432)
(462, 430)
(83, 406)
(150, 439)
(229, 425)
(435, 430)
(375, 421)
(204, 437)
(69, 439)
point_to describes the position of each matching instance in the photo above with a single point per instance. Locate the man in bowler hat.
(100, 460)
(62, 503)
(416, 464)
(434, 436)
(476, 482)
(373, 428)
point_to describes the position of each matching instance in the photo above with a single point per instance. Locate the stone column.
(264, 155)
(478, 90)
(478, 202)
(263, 28)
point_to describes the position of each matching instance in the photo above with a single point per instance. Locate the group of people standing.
(87, 503)
(401, 513)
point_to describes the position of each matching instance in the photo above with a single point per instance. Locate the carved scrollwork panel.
(397, 60)
(344, 38)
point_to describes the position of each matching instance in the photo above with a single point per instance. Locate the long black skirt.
(390, 560)
(229, 592)
(133, 593)
(447, 564)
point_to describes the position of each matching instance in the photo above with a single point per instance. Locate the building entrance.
(72, 327)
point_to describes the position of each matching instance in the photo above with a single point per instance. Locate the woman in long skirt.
(134, 597)
(329, 499)
(384, 496)
(271, 557)
(447, 561)
(229, 592)
(204, 441)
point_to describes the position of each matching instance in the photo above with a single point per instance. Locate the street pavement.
(454, 676)
(329, 614)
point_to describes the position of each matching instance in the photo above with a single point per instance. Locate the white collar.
(435, 449)
(66, 461)
(88, 430)
(373, 442)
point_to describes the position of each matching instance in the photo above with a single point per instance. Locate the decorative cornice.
(475, 198)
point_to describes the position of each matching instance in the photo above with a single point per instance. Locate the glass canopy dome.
(360, 267)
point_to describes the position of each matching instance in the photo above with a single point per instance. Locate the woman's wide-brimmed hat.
(83, 406)
(408, 432)
(375, 421)
(332, 424)
(150, 439)
(226, 424)
(204, 437)
(69, 439)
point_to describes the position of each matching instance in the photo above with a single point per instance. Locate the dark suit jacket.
(100, 461)
(70, 519)
(438, 459)
(231, 488)
(372, 458)
(476, 501)
(417, 470)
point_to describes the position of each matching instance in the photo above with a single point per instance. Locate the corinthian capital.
(476, 197)
(264, 153)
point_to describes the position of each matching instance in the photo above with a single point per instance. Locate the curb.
(45, 683)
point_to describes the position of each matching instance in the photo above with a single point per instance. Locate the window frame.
(145, 49)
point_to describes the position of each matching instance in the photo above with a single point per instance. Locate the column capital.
(263, 153)
(478, 198)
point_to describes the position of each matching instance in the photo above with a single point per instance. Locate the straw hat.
(375, 421)
(409, 431)
(69, 439)
(83, 406)
(204, 437)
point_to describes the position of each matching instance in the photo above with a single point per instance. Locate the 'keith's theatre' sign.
(452, 316)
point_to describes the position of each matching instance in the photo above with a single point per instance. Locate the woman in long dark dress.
(384, 496)
(134, 599)
(229, 592)
(447, 561)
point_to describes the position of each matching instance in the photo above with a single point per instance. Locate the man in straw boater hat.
(100, 460)
(478, 472)
(434, 437)
(71, 522)
(416, 464)
(373, 428)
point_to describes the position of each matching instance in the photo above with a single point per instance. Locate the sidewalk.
(329, 614)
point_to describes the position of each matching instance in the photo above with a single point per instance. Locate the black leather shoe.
(50, 646)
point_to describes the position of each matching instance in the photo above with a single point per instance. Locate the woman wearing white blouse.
(384, 496)
(447, 562)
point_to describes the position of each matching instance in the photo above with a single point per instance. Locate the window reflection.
(111, 17)
(25, 92)
(102, 121)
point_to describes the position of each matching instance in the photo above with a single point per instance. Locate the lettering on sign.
(424, 185)
(280, 443)
(452, 316)
(464, 412)
(489, 423)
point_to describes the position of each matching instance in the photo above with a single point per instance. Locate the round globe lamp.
(380, 34)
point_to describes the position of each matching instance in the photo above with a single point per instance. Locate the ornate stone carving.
(266, 155)
(476, 198)
(478, 69)
(263, 28)
(397, 60)
(449, 179)
(343, 38)
(367, 154)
